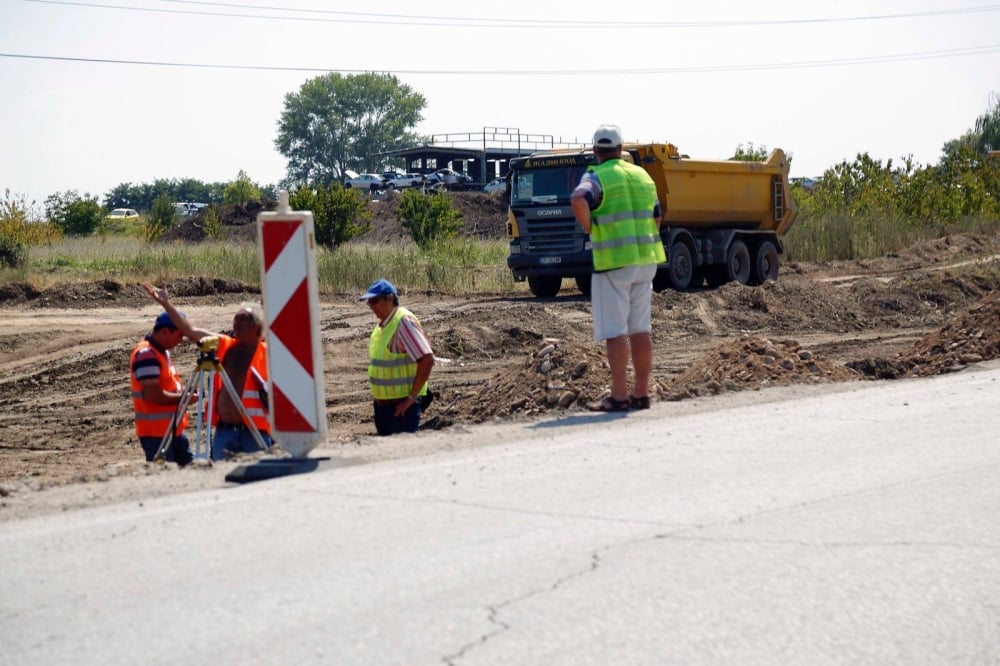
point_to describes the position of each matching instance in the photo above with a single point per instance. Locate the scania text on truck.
(722, 219)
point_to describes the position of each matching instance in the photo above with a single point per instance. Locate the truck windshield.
(545, 185)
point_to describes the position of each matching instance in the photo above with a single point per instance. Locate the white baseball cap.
(608, 136)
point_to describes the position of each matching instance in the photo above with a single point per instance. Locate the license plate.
(550, 260)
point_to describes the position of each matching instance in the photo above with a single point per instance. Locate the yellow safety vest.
(624, 231)
(390, 375)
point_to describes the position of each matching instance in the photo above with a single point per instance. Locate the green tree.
(338, 214)
(428, 217)
(241, 191)
(75, 215)
(750, 153)
(988, 127)
(336, 122)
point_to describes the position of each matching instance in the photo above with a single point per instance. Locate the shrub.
(73, 214)
(428, 217)
(212, 224)
(338, 214)
(160, 217)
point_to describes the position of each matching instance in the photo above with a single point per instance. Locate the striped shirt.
(409, 339)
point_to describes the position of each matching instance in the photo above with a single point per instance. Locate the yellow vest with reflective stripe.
(390, 375)
(624, 231)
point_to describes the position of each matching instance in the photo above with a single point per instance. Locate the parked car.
(370, 182)
(188, 208)
(443, 178)
(399, 181)
(122, 215)
(498, 184)
(449, 177)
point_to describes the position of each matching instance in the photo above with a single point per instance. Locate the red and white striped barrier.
(297, 404)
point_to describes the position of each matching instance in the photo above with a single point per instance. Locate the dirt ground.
(66, 416)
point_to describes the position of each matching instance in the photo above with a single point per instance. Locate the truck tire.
(545, 286)
(680, 270)
(737, 267)
(583, 284)
(765, 263)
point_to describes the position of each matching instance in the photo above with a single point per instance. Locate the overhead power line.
(803, 64)
(338, 16)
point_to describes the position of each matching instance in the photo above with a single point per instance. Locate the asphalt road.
(859, 527)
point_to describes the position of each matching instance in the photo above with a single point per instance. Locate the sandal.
(609, 404)
(639, 402)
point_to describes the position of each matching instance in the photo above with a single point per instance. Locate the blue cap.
(380, 287)
(163, 320)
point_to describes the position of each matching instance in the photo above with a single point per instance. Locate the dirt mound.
(969, 338)
(752, 362)
(111, 292)
(557, 374)
(483, 215)
(238, 222)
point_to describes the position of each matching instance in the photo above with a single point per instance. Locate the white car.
(498, 184)
(369, 182)
(188, 208)
(399, 181)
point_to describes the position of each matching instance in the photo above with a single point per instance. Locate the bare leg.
(642, 361)
(618, 360)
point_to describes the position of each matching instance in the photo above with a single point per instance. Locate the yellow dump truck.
(722, 218)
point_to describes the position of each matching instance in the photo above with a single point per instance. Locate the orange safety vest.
(253, 392)
(154, 420)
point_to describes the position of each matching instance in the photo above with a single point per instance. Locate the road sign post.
(290, 291)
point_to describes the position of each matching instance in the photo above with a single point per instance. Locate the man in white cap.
(400, 361)
(616, 203)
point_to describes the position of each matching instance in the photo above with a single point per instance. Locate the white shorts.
(621, 301)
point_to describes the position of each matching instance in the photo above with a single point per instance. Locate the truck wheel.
(544, 286)
(765, 263)
(583, 284)
(738, 262)
(681, 268)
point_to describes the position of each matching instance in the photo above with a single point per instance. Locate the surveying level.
(202, 384)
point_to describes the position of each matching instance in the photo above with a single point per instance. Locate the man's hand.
(158, 294)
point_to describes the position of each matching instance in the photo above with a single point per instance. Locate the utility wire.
(804, 64)
(469, 22)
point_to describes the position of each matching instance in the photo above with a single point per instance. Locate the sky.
(94, 94)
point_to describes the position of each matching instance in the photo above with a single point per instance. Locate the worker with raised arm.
(243, 356)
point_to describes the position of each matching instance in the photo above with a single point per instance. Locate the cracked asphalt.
(844, 524)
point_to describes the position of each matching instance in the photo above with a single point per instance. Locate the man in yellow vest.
(616, 203)
(243, 355)
(399, 361)
(156, 391)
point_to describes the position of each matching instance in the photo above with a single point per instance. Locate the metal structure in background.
(482, 155)
(202, 384)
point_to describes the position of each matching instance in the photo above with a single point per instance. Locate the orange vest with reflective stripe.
(154, 420)
(251, 393)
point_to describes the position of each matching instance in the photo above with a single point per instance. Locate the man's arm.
(152, 392)
(183, 325)
(581, 210)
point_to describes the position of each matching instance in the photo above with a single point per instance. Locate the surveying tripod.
(203, 385)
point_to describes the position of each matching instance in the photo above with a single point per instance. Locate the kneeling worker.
(244, 358)
(400, 361)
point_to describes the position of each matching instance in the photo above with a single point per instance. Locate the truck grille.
(550, 236)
